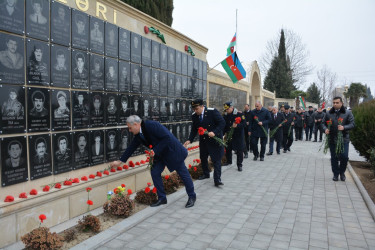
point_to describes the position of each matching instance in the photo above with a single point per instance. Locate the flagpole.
(236, 33)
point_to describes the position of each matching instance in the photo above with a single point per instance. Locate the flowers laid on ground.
(340, 138)
(46, 188)
(68, 183)
(192, 148)
(146, 196)
(202, 131)
(150, 157)
(33, 192)
(119, 202)
(84, 178)
(273, 131)
(9, 198)
(237, 120)
(23, 195)
(264, 130)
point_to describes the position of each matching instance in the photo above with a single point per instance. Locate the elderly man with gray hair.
(168, 152)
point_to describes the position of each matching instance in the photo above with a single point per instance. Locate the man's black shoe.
(296, 139)
(320, 140)
(314, 140)
(255, 158)
(307, 139)
(288, 149)
(158, 203)
(269, 153)
(226, 164)
(218, 183)
(261, 158)
(190, 202)
(239, 169)
(335, 178)
(202, 177)
(284, 151)
(246, 155)
(278, 153)
(342, 177)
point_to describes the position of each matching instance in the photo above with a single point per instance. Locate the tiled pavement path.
(289, 201)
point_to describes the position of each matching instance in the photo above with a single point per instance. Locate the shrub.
(171, 183)
(42, 238)
(363, 134)
(89, 223)
(372, 159)
(146, 198)
(196, 170)
(119, 205)
(69, 235)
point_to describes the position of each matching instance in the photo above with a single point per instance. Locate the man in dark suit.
(276, 120)
(97, 148)
(168, 152)
(213, 121)
(288, 137)
(247, 113)
(309, 122)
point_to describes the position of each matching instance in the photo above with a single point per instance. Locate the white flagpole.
(236, 33)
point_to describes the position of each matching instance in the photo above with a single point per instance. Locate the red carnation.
(167, 177)
(194, 160)
(198, 161)
(130, 191)
(150, 146)
(88, 189)
(137, 163)
(99, 174)
(89, 202)
(148, 183)
(91, 176)
(58, 185)
(113, 170)
(201, 131)
(115, 190)
(189, 165)
(119, 168)
(75, 180)
(148, 160)
(143, 162)
(131, 164)
(195, 169)
(146, 29)
(46, 188)
(84, 178)
(154, 190)
(33, 192)
(123, 185)
(106, 172)
(238, 120)
(42, 217)
(23, 195)
(186, 48)
(146, 152)
(125, 167)
(147, 190)
(256, 117)
(9, 198)
(67, 183)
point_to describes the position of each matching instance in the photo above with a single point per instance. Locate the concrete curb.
(114, 231)
(369, 203)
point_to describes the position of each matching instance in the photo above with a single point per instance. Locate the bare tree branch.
(326, 83)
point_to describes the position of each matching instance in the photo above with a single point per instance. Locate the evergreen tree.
(313, 94)
(159, 9)
(355, 92)
(369, 95)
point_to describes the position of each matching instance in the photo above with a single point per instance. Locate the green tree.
(355, 92)
(159, 9)
(369, 96)
(313, 94)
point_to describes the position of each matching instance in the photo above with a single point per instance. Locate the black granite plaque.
(135, 78)
(13, 160)
(200, 89)
(137, 106)
(96, 72)
(60, 68)
(171, 59)
(60, 109)
(12, 66)
(195, 68)
(97, 109)
(171, 87)
(184, 109)
(12, 101)
(204, 83)
(163, 109)
(190, 88)
(146, 51)
(172, 129)
(112, 109)
(178, 85)
(136, 48)
(40, 156)
(37, 19)
(111, 74)
(124, 44)
(125, 140)
(12, 17)
(155, 108)
(81, 149)
(112, 144)
(38, 63)
(177, 113)
(124, 76)
(146, 104)
(60, 23)
(184, 65)
(125, 110)
(62, 148)
(200, 69)
(178, 62)
(163, 57)
(96, 35)
(184, 87)
(163, 83)
(155, 54)
(146, 80)
(171, 109)
(80, 30)
(97, 146)
(190, 65)
(195, 86)
(111, 40)
(155, 82)
(183, 132)
(38, 110)
(178, 132)
(81, 110)
(80, 66)
(204, 71)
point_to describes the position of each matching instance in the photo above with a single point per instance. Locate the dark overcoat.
(275, 123)
(237, 141)
(264, 117)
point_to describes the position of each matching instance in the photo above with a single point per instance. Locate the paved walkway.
(289, 201)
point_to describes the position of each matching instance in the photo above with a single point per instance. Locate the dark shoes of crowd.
(189, 203)
(336, 177)
(217, 183)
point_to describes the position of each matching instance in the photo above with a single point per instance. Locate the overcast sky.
(338, 33)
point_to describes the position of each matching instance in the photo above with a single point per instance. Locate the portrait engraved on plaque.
(190, 65)
(195, 87)
(155, 108)
(184, 114)
(111, 74)
(155, 82)
(178, 132)
(163, 57)
(125, 139)
(80, 76)
(171, 109)
(178, 85)
(171, 89)
(80, 30)
(155, 54)
(111, 40)
(97, 146)
(184, 87)
(12, 65)
(183, 132)
(38, 63)
(13, 160)
(146, 107)
(184, 65)
(97, 109)
(60, 68)
(81, 149)
(136, 48)
(195, 68)
(137, 106)
(125, 110)
(60, 23)
(40, 156)
(171, 59)
(177, 113)
(37, 19)
(112, 109)
(62, 145)
(12, 101)
(60, 109)
(146, 80)
(112, 144)
(163, 83)
(146, 51)
(96, 35)
(204, 71)
(38, 110)
(124, 76)
(178, 62)
(81, 109)
(200, 89)
(135, 78)
(124, 44)
(12, 16)
(163, 109)
(200, 69)
(96, 72)
(190, 87)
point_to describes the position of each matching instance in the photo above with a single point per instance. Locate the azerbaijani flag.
(233, 67)
(230, 48)
(302, 100)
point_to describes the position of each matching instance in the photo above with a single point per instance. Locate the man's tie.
(201, 118)
(274, 117)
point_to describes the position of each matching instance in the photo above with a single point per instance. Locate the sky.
(337, 33)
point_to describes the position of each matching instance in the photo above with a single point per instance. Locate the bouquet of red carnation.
(202, 131)
(264, 130)
(290, 127)
(273, 132)
(326, 138)
(150, 156)
(340, 139)
(231, 131)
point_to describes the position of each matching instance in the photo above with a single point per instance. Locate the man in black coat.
(247, 113)
(299, 123)
(236, 142)
(212, 120)
(260, 117)
(318, 118)
(288, 126)
(309, 121)
(276, 119)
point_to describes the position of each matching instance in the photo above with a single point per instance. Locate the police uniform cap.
(287, 106)
(196, 103)
(310, 107)
(227, 105)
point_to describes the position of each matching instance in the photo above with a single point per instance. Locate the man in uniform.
(299, 123)
(212, 120)
(260, 117)
(318, 118)
(247, 114)
(309, 121)
(288, 137)
(236, 142)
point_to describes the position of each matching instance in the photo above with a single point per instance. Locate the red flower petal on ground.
(154, 190)
(106, 172)
(84, 178)
(9, 198)
(123, 185)
(88, 189)
(75, 180)
(42, 217)
(99, 174)
(137, 163)
(67, 183)
(89, 202)
(46, 188)
(119, 168)
(147, 190)
(23, 195)
(148, 183)
(195, 169)
(198, 161)
(130, 191)
(33, 192)
(125, 167)
(166, 177)
(113, 170)
(91, 176)
(58, 185)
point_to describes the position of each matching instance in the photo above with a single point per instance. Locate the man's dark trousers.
(228, 155)
(263, 142)
(278, 145)
(215, 158)
(309, 131)
(342, 158)
(287, 140)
